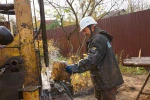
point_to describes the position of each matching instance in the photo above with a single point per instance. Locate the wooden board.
(137, 62)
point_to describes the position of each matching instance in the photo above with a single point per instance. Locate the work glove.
(69, 69)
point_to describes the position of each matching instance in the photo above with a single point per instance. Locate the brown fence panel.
(131, 33)
(59, 36)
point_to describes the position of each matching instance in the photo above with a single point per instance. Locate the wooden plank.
(140, 57)
(137, 62)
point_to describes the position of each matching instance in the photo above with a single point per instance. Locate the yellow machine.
(20, 69)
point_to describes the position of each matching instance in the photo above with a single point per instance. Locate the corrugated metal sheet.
(131, 33)
(60, 39)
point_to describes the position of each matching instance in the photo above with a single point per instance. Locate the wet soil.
(128, 91)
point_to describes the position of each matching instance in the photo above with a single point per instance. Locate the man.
(101, 61)
(6, 36)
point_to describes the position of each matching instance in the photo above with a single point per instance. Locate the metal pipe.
(10, 12)
(44, 36)
(6, 6)
(38, 32)
(13, 63)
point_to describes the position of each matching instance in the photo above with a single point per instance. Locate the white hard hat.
(86, 21)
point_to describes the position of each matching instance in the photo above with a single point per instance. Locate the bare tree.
(137, 5)
(73, 10)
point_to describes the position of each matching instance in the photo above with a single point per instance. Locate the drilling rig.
(20, 68)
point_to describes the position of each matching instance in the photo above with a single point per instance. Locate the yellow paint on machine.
(6, 53)
(27, 50)
(31, 95)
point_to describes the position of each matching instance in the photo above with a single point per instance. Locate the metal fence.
(131, 32)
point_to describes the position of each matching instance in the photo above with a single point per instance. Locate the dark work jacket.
(101, 62)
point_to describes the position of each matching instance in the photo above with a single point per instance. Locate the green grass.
(133, 70)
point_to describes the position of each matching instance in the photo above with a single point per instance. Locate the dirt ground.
(129, 90)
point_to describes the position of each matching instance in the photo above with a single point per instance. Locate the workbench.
(139, 62)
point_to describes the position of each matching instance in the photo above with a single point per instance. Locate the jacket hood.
(103, 32)
(107, 35)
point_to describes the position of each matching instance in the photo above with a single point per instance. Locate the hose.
(68, 92)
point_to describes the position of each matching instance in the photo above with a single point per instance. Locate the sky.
(124, 5)
(35, 3)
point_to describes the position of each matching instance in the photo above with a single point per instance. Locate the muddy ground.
(128, 91)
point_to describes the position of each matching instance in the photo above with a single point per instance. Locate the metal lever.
(2, 70)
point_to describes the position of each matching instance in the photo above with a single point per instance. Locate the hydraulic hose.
(68, 92)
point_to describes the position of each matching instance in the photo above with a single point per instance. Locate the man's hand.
(69, 69)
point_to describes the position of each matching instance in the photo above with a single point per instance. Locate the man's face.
(86, 31)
